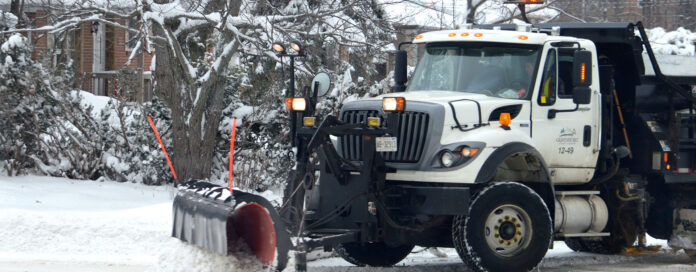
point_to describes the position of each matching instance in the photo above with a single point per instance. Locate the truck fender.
(542, 184)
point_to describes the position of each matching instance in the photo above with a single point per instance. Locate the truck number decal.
(565, 150)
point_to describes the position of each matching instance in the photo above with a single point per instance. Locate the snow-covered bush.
(131, 150)
(26, 108)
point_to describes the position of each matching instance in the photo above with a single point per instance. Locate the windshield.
(493, 69)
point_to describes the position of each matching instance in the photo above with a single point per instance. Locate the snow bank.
(679, 42)
(57, 224)
(96, 101)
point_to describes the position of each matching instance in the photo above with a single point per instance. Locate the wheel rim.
(508, 230)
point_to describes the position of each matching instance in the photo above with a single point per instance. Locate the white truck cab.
(472, 72)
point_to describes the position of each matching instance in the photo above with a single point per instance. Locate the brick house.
(97, 51)
(669, 14)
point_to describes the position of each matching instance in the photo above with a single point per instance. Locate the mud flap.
(209, 217)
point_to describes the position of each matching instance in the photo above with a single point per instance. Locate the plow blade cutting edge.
(209, 216)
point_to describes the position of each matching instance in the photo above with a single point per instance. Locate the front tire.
(507, 228)
(372, 254)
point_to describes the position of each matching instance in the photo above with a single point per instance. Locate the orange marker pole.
(234, 128)
(161, 145)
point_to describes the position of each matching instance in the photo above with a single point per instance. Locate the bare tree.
(195, 42)
(452, 13)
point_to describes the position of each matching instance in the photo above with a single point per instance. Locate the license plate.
(386, 144)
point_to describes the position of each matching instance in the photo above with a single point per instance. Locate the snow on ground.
(560, 258)
(57, 224)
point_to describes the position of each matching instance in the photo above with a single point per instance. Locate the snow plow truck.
(504, 139)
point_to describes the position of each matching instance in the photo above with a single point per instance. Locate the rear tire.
(507, 228)
(575, 244)
(691, 253)
(372, 254)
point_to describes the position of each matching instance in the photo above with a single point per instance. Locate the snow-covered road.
(560, 259)
(56, 224)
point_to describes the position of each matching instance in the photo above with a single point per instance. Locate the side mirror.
(582, 95)
(400, 64)
(582, 77)
(582, 69)
(321, 84)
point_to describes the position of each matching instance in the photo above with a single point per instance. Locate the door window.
(547, 93)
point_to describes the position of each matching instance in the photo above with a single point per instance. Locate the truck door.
(569, 141)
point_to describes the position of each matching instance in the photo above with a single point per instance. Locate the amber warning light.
(505, 119)
(525, 2)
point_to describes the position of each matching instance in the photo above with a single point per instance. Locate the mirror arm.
(403, 43)
(552, 112)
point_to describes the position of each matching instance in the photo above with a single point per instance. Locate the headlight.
(447, 158)
(295, 104)
(393, 104)
(299, 104)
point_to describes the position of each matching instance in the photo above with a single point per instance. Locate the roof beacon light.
(525, 2)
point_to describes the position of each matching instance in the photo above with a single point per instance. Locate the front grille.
(413, 129)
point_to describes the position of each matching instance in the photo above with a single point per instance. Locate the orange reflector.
(505, 119)
(523, 37)
(452, 34)
(288, 103)
(478, 34)
(469, 152)
(665, 155)
(465, 34)
(582, 72)
(419, 37)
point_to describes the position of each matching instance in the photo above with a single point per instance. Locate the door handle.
(587, 136)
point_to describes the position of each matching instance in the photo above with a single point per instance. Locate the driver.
(529, 71)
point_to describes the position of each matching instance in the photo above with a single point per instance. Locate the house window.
(131, 36)
(60, 45)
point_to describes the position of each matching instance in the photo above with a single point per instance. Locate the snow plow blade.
(208, 216)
